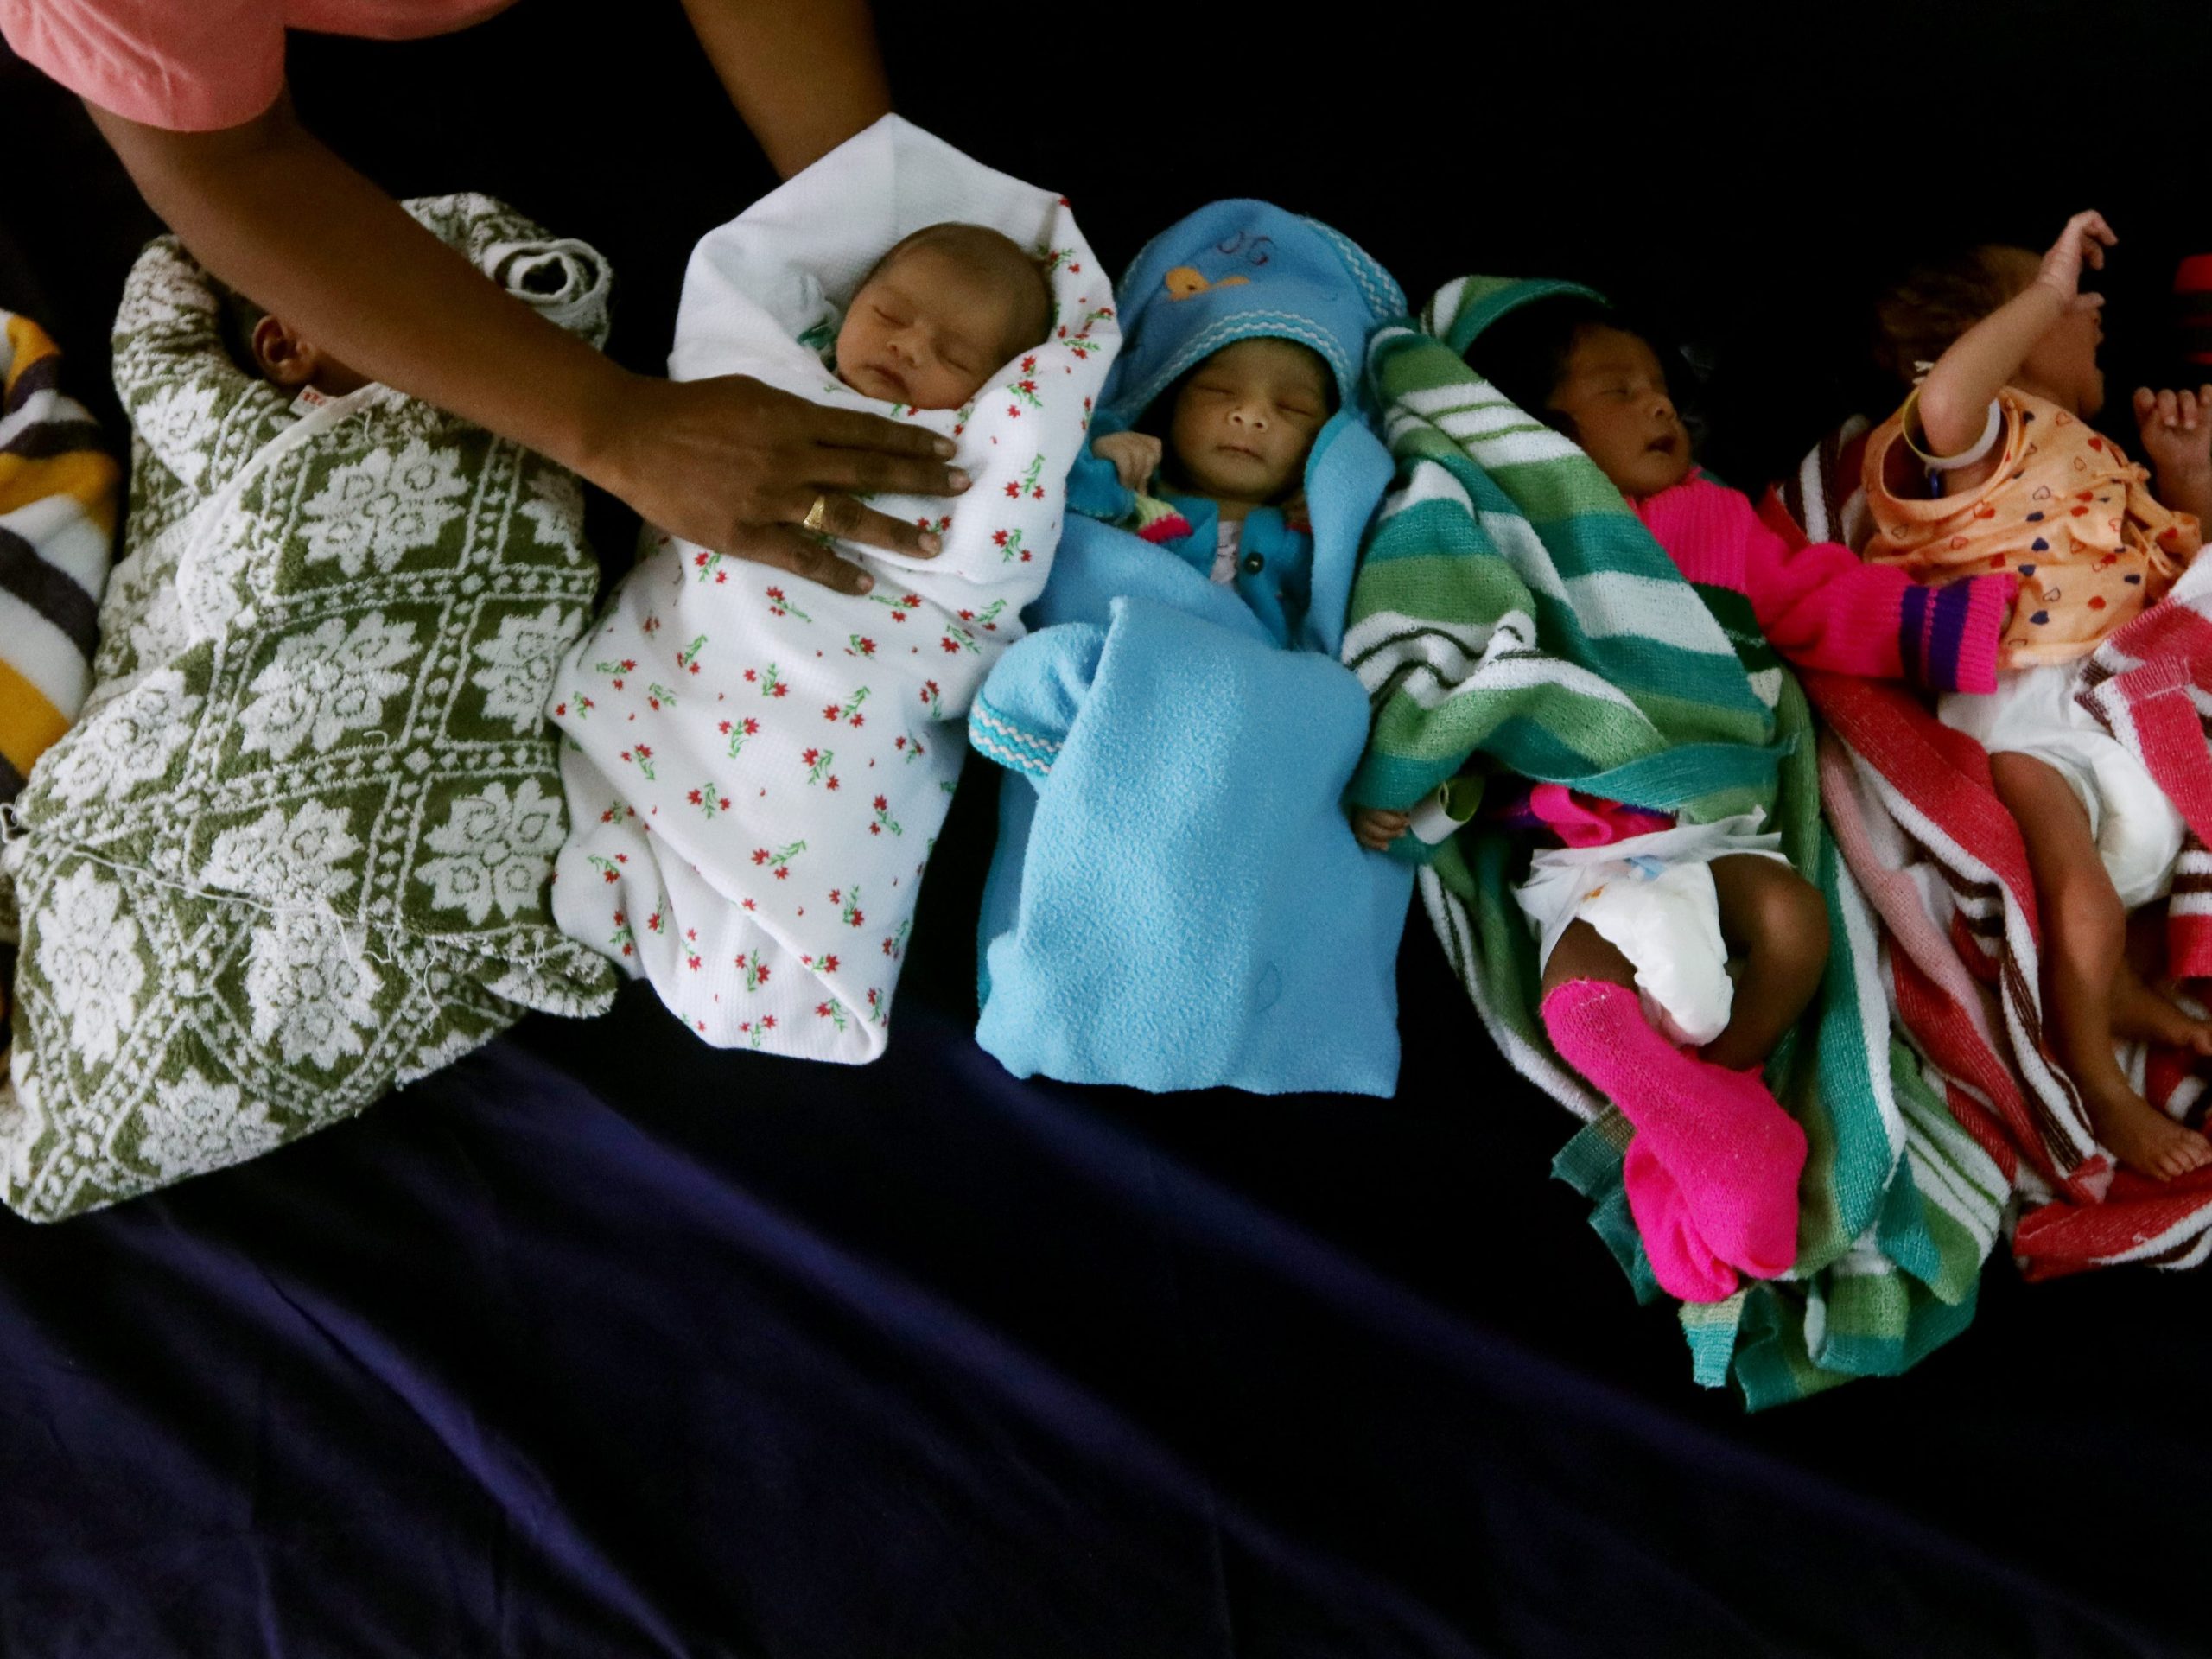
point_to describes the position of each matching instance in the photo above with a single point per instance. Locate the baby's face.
(1614, 390)
(2065, 360)
(929, 330)
(1244, 421)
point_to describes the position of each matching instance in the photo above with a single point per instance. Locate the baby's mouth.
(888, 378)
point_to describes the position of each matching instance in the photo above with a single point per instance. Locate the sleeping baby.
(1219, 480)
(296, 850)
(757, 766)
(940, 311)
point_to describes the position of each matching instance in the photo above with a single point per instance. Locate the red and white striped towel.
(1941, 860)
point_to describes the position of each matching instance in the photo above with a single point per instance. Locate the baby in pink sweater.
(1713, 1178)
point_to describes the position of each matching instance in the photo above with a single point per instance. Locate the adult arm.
(805, 74)
(729, 463)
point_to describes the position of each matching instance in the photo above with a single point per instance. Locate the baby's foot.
(1682, 1261)
(2144, 1139)
(2142, 1014)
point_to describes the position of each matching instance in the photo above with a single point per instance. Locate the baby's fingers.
(2168, 408)
(2096, 235)
(2146, 405)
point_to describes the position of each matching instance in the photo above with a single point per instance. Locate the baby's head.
(1240, 425)
(1567, 360)
(939, 313)
(279, 353)
(1923, 316)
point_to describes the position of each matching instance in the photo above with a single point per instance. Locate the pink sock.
(1733, 1154)
(1683, 1263)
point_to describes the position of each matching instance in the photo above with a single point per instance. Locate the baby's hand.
(2176, 428)
(2085, 238)
(1135, 455)
(1376, 828)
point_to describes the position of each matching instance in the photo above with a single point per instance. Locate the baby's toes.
(2186, 1152)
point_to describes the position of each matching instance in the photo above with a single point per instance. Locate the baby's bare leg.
(1585, 953)
(2084, 956)
(2141, 1011)
(1775, 924)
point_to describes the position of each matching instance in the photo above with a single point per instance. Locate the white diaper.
(1651, 897)
(2032, 712)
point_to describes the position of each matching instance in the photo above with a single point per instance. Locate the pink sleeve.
(1823, 607)
(186, 66)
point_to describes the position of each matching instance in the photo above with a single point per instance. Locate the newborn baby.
(278, 352)
(757, 766)
(939, 313)
(1225, 490)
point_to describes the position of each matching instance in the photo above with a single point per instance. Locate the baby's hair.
(1525, 352)
(985, 247)
(1923, 315)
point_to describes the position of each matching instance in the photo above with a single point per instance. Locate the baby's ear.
(281, 356)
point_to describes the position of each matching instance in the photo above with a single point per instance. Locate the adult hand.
(736, 466)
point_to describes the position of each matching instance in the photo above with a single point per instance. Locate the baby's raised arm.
(1954, 399)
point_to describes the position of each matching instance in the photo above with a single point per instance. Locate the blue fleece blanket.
(1177, 900)
(1182, 913)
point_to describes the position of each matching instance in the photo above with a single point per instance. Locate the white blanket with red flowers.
(757, 767)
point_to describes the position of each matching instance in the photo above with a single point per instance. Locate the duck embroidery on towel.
(1183, 281)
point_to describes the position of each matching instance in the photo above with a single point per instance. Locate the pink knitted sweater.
(1822, 606)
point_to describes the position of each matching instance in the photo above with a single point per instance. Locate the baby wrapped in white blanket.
(756, 767)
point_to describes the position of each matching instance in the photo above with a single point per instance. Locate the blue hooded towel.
(1176, 901)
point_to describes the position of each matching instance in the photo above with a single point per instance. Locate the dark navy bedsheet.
(605, 1343)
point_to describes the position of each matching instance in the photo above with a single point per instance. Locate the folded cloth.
(1513, 607)
(297, 848)
(756, 767)
(57, 489)
(1177, 900)
(1943, 867)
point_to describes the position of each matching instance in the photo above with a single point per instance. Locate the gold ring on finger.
(814, 514)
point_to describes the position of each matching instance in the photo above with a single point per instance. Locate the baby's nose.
(1249, 415)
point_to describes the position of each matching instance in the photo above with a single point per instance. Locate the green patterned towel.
(1513, 611)
(297, 848)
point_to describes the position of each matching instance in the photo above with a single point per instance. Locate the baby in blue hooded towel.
(1223, 488)
(1177, 901)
